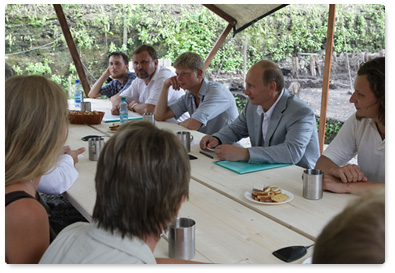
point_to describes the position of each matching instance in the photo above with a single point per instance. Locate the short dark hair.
(272, 73)
(375, 72)
(151, 51)
(141, 176)
(120, 53)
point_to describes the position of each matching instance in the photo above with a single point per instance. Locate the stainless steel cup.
(85, 106)
(186, 138)
(150, 117)
(312, 184)
(96, 145)
(182, 239)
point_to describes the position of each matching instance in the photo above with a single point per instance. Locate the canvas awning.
(243, 15)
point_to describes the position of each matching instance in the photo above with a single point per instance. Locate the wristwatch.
(131, 108)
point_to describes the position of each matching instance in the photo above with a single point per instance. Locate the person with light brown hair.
(142, 178)
(363, 134)
(356, 235)
(210, 104)
(35, 132)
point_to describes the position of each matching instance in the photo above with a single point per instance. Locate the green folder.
(244, 167)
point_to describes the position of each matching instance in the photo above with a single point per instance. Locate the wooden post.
(312, 66)
(72, 48)
(245, 62)
(319, 70)
(125, 31)
(327, 74)
(295, 67)
(217, 45)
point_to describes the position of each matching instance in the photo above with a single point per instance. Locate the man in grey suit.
(282, 128)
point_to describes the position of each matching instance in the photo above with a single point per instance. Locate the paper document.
(243, 167)
(114, 118)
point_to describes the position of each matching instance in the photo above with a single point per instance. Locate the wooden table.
(230, 228)
(307, 217)
(226, 231)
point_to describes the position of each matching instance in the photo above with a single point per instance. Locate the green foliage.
(174, 29)
(241, 102)
(18, 70)
(39, 68)
(331, 129)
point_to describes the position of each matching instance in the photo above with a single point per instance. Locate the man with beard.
(118, 69)
(144, 92)
(363, 134)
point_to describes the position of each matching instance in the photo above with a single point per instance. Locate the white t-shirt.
(149, 93)
(60, 178)
(84, 243)
(359, 137)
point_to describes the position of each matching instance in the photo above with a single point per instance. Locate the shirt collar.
(269, 113)
(203, 90)
(156, 74)
(132, 246)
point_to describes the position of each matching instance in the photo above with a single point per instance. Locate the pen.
(206, 154)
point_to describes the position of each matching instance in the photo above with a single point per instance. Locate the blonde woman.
(36, 128)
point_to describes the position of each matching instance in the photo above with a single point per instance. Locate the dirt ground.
(339, 108)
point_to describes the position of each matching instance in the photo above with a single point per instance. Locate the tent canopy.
(242, 16)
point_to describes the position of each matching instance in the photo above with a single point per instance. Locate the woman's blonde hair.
(36, 126)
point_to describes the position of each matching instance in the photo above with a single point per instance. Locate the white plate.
(247, 195)
(309, 260)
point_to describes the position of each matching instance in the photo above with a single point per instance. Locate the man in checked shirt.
(118, 69)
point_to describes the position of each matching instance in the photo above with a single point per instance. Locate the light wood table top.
(307, 217)
(218, 204)
(226, 231)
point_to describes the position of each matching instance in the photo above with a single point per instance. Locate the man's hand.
(172, 82)
(208, 142)
(191, 124)
(348, 173)
(74, 153)
(115, 110)
(333, 184)
(232, 153)
(115, 101)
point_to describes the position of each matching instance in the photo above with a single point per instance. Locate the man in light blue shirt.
(210, 104)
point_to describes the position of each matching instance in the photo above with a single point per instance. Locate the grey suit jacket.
(291, 136)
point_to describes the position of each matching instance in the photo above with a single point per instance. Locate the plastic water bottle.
(77, 94)
(123, 111)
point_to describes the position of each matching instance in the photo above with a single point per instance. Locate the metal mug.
(186, 138)
(96, 145)
(312, 184)
(85, 106)
(149, 117)
(181, 239)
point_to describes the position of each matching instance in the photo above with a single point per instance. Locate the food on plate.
(85, 117)
(114, 127)
(269, 194)
(76, 112)
(280, 197)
